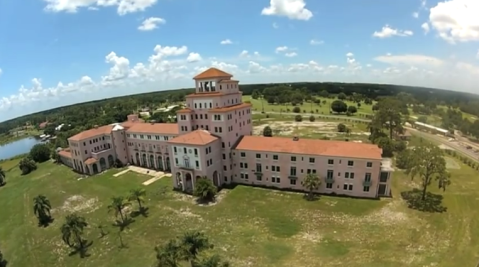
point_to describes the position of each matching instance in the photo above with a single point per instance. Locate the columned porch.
(156, 161)
(184, 180)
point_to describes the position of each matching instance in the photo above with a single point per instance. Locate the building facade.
(213, 138)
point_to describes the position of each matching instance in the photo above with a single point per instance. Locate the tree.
(192, 244)
(169, 255)
(72, 231)
(255, 94)
(27, 165)
(403, 159)
(341, 96)
(138, 195)
(352, 109)
(386, 144)
(118, 204)
(56, 156)
(312, 118)
(342, 128)
(388, 116)
(3, 177)
(3, 261)
(41, 209)
(205, 190)
(267, 131)
(211, 261)
(339, 106)
(40, 153)
(297, 110)
(311, 182)
(427, 162)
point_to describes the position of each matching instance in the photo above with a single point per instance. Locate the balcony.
(186, 167)
(258, 173)
(329, 180)
(367, 183)
(292, 177)
(100, 153)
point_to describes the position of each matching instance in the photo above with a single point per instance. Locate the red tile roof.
(198, 137)
(65, 153)
(212, 73)
(90, 161)
(185, 110)
(310, 147)
(226, 109)
(98, 131)
(154, 128)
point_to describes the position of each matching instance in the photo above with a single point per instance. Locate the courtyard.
(250, 226)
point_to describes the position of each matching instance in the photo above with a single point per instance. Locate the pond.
(18, 147)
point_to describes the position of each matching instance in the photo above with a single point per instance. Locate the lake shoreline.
(18, 147)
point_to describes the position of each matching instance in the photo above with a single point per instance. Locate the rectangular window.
(367, 177)
(196, 152)
(346, 175)
(330, 174)
(293, 158)
(329, 185)
(258, 156)
(384, 177)
(351, 175)
(292, 171)
(345, 187)
(292, 181)
(350, 163)
(366, 189)
(258, 167)
(174, 149)
(369, 164)
(311, 160)
(197, 164)
(275, 157)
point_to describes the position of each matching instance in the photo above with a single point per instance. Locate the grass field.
(305, 108)
(250, 227)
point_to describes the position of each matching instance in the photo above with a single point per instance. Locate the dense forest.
(83, 116)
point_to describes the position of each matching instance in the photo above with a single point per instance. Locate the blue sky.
(59, 52)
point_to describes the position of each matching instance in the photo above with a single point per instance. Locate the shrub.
(27, 165)
(267, 131)
(312, 118)
(205, 190)
(298, 118)
(40, 153)
(296, 110)
(342, 128)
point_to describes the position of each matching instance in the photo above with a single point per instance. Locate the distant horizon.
(272, 83)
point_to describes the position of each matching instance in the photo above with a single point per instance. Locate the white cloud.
(1, 72)
(281, 49)
(425, 27)
(349, 54)
(410, 60)
(123, 6)
(477, 56)
(316, 42)
(275, 25)
(244, 53)
(151, 24)
(291, 54)
(226, 42)
(415, 14)
(387, 32)
(456, 20)
(292, 9)
(193, 57)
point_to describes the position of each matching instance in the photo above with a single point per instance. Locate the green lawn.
(251, 227)
(305, 108)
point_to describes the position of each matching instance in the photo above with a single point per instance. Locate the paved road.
(334, 117)
(443, 140)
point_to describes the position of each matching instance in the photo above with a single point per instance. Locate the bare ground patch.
(287, 128)
(188, 198)
(78, 203)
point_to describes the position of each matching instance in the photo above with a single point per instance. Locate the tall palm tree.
(169, 255)
(311, 182)
(41, 208)
(3, 177)
(193, 243)
(138, 195)
(72, 230)
(117, 205)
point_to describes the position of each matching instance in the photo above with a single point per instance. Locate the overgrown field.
(250, 227)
